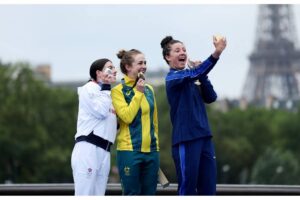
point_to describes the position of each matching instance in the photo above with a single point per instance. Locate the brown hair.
(126, 58)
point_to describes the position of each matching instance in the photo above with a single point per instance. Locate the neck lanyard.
(131, 88)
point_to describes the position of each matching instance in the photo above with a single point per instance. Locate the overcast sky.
(71, 37)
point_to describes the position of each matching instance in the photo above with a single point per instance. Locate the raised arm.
(126, 112)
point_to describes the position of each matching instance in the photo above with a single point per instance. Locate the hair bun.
(165, 41)
(121, 53)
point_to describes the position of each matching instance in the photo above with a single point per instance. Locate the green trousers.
(138, 172)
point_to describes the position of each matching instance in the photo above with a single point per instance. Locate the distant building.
(274, 73)
(43, 72)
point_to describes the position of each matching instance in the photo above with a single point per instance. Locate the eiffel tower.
(275, 61)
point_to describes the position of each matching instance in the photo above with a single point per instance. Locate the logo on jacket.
(128, 93)
(127, 171)
(89, 171)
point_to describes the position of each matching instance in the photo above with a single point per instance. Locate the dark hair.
(166, 44)
(126, 58)
(97, 65)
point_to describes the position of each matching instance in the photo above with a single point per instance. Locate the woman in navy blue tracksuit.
(192, 147)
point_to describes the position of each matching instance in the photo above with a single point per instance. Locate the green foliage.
(242, 137)
(276, 167)
(165, 134)
(37, 126)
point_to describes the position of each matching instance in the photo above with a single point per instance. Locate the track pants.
(195, 167)
(138, 172)
(91, 166)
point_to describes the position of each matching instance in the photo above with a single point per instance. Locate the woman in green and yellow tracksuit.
(137, 140)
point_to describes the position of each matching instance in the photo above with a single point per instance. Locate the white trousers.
(90, 165)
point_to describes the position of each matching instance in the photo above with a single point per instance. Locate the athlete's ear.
(98, 73)
(128, 68)
(168, 58)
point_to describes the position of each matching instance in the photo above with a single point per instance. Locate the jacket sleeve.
(204, 68)
(208, 93)
(199, 72)
(95, 101)
(124, 111)
(155, 118)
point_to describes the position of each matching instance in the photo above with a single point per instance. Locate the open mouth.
(182, 59)
(142, 71)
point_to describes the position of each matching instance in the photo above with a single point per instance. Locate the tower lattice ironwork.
(275, 61)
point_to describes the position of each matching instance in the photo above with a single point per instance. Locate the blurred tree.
(37, 126)
(276, 167)
(165, 134)
(241, 137)
(288, 128)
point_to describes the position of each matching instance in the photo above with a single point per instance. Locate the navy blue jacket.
(186, 100)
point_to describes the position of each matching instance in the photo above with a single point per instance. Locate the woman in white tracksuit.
(96, 131)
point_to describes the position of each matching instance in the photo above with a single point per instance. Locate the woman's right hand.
(140, 85)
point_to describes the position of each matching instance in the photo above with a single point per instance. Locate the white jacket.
(96, 112)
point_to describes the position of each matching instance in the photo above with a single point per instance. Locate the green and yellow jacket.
(137, 117)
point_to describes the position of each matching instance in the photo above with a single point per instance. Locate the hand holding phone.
(108, 71)
(109, 75)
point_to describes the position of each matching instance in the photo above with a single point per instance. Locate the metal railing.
(115, 189)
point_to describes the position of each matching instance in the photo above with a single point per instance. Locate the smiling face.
(138, 65)
(177, 57)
